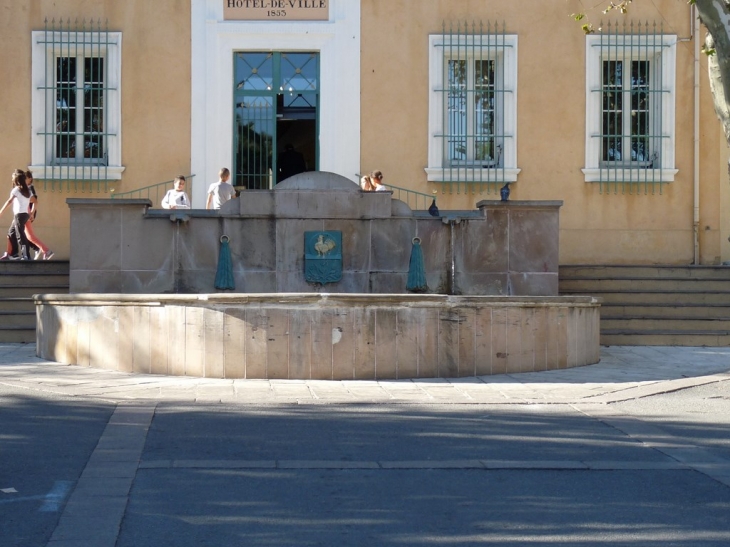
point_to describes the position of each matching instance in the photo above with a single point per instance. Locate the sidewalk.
(625, 372)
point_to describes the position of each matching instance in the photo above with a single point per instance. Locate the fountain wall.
(319, 336)
(501, 248)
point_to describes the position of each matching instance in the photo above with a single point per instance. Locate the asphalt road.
(642, 472)
(45, 443)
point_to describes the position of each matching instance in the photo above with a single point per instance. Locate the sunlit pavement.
(623, 373)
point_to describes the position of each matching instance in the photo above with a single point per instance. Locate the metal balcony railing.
(154, 192)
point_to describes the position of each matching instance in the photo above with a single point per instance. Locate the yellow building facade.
(452, 99)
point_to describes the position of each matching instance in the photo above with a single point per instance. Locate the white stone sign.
(276, 10)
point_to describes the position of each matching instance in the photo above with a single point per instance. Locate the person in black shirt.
(290, 163)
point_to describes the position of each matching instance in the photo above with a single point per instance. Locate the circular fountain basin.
(318, 336)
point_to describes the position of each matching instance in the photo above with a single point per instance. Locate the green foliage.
(623, 7)
(587, 28)
(708, 50)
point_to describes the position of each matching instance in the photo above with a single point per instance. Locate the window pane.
(255, 71)
(640, 129)
(65, 107)
(300, 100)
(254, 141)
(456, 108)
(93, 107)
(484, 111)
(612, 136)
(299, 72)
(612, 120)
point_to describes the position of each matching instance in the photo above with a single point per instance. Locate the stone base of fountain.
(318, 335)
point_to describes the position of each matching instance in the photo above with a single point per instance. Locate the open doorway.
(296, 140)
(276, 117)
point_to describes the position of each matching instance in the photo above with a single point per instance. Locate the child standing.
(221, 191)
(176, 198)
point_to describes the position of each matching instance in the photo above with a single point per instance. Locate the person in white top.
(376, 180)
(176, 198)
(21, 199)
(221, 191)
(34, 242)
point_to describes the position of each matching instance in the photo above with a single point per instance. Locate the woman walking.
(21, 198)
(35, 242)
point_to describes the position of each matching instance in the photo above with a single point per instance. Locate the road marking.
(52, 501)
(24, 498)
(54, 498)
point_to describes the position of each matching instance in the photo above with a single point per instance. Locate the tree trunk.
(715, 16)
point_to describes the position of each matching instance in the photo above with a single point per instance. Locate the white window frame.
(46, 48)
(662, 53)
(503, 50)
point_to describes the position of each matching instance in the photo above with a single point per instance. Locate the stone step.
(708, 311)
(19, 281)
(34, 266)
(589, 286)
(644, 324)
(656, 304)
(620, 337)
(33, 280)
(15, 291)
(20, 303)
(660, 298)
(618, 272)
(17, 335)
(21, 319)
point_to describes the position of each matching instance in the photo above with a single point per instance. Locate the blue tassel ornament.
(224, 275)
(416, 269)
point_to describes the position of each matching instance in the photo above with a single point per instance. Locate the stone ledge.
(321, 299)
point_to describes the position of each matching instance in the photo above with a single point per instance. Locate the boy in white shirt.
(176, 198)
(221, 191)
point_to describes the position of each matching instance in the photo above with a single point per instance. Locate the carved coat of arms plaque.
(322, 257)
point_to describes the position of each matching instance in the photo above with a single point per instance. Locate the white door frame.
(213, 44)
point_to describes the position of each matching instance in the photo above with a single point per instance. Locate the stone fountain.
(319, 270)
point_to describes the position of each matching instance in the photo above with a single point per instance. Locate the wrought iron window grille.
(76, 108)
(472, 120)
(630, 108)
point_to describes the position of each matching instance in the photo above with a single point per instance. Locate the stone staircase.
(656, 305)
(19, 281)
